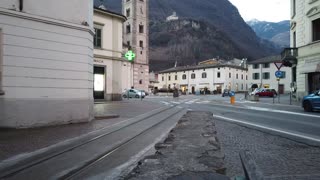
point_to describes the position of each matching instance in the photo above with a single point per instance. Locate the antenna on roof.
(175, 64)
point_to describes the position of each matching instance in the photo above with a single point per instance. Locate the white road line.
(268, 128)
(202, 102)
(269, 110)
(192, 101)
(164, 102)
(281, 111)
(189, 109)
(175, 102)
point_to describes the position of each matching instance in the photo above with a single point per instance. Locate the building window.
(184, 76)
(316, 29)
(1, 65)
(140, 82)
(237, 76)
(141, 43)
(255, 66)
(176, 77)
(229, 75)
(141, 29)
(169, 78)
(193, 76)
(255, 76)
(266, 65)
(128, 12)
(162, 78)
(246, 77)
(283, 75)
(241, 76)
(266, 75)
(218, 74)
(128, 29)
(241, 86)
(204, 75)
(97, 37)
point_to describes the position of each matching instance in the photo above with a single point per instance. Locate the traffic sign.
(278, 74)
(278, 65)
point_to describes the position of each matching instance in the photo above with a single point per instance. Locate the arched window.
(204, 75)
(193, 76)
(184, 76)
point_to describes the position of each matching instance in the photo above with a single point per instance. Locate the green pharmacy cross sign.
(130, 55)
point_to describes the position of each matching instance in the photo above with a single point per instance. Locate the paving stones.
(191, 151)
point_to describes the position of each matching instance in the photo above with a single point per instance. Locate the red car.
(267, 92)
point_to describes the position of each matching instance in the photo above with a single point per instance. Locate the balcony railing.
(289, 57)
(289, 52)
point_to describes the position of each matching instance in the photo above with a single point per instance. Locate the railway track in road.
(77, 158)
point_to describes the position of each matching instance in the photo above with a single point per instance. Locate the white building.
(213, 77)
(173, 17)
(305, 35)
(46, 62)
(262, 73)
(136, 36)
(112, 73)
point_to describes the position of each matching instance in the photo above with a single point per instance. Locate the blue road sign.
(278, 74)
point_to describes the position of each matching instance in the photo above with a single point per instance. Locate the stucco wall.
(47, 70)
(70, 11)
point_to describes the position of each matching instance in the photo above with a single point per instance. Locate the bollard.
(232, 99)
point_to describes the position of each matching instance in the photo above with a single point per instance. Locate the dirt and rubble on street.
(191, 150)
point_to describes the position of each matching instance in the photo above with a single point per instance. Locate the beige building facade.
(112, 72)
(212, 77)
(262, 73)
(46, 62)
(305, 35)
(136, 36)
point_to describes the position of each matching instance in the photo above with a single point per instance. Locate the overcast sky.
(263, 10)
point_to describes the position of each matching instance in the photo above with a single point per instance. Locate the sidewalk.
(22, 141)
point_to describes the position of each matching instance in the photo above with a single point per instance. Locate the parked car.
(133, 93)
(311, 102)
(228, 93)
(145, 92)
(267, 92)
(255, 91)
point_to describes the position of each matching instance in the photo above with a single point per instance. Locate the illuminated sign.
(130, 55)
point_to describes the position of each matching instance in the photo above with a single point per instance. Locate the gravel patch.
(276, 157)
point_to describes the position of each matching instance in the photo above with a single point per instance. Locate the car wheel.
(137, 96)
(124, 96)
(307, 106)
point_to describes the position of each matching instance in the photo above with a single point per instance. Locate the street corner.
(191, 150)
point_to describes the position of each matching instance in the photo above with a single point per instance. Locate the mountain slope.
(278, 33)
(188, 41)
(218, 13)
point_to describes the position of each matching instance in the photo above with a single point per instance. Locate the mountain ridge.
(221, 14)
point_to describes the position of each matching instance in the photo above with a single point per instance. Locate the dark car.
(267, 92)
(311, 102)
(228, 93)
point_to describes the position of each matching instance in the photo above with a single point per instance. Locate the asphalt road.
(288, 121)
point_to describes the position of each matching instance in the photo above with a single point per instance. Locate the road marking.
(164, 102)
(189, 109)
(175, 102)
(281, 111)
(192, 101)
(202, 102)
(268, 110)
(268, 128)
(179, 107)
